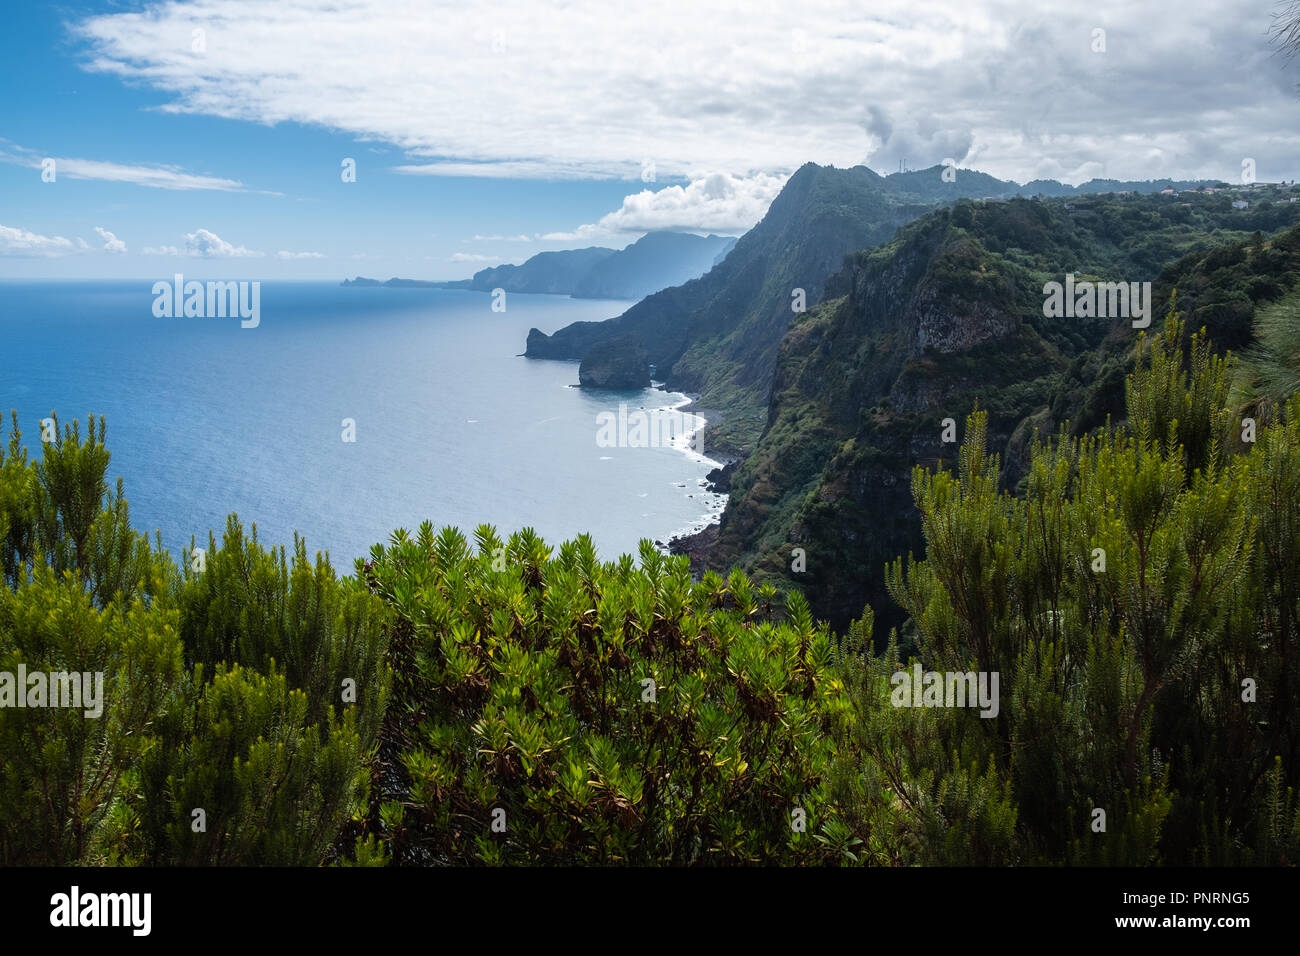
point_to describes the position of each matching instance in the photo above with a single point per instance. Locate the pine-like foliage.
(573, 711)
(1273, 363)
(240, 702)
(1139, 604)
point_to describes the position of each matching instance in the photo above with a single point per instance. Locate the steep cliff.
(947, 315)
(718, 335)
(616, 363)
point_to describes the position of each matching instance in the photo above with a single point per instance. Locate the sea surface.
(452, 425)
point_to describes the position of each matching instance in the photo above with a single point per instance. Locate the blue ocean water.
(451, 424)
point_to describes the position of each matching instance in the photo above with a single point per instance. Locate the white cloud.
(20, 242)
(203, 244)
(300, 255)
(473, 257)
(157, 177)
(515, 169)
(111, 242)
(549, 89)
(718, 202)
(518, 238)
(208, 245)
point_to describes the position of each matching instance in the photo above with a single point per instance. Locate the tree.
(252, 692)
(1139, 604)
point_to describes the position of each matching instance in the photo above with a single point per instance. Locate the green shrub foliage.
(571, 711)
(1139, 603)
(225, 735)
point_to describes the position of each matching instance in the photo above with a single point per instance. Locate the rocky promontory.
(620, 362)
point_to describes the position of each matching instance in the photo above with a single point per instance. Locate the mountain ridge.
(657, 260)
(946, 315)
(717, 336)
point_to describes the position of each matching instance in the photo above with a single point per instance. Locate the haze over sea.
(452, 425)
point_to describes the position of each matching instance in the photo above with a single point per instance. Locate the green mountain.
(719, 335)
(932, 185)
(936, 184)
(950, 314)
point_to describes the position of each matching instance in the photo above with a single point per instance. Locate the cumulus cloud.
(202, 244)
(283, 254)
(208, 245)
(20, 242)
(914, 141)
(554, 90)
(718, 202)
(111, 242)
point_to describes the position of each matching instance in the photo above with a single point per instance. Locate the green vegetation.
(1273, 365)
(949, 315)
(607, 713)
(1139, 602)
(517, 704)
(225, 735)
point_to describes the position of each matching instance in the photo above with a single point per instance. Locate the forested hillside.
(948, 315)
(718, 335)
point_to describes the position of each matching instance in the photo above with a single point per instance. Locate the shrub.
(608, 712)
(222, 690)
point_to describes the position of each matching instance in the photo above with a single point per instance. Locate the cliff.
(947, 315)
(620, 363)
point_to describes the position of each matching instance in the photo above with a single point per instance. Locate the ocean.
(449, 423)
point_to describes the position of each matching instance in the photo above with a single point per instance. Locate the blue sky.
(486, 133)
(290, 195)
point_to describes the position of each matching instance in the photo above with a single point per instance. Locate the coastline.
(712, 418)
(698, 540)
(712, 491)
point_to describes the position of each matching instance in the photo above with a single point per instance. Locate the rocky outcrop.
(620, 363)
(719, 479)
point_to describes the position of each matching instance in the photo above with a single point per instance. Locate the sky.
(214, 137)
